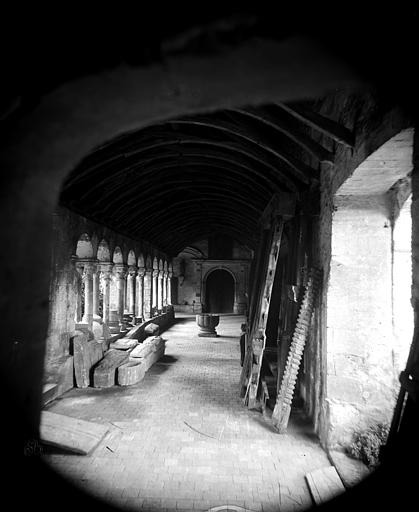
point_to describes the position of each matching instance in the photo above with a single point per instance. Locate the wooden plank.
(104, 373)
(324, 484)
(78, 436)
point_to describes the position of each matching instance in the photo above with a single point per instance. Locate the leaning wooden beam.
(281, 413)
(307, 143)
(258, 335)
(73, 434)
(281, 204)
(334, 130)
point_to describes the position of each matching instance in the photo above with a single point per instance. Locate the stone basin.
(207, 324)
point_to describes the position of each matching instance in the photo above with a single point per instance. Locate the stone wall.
(360, 373)
(333, 396)
(192, 272)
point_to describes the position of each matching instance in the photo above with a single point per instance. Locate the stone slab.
(72, 434)
(351, 471)
(104, 373)
(142, 350)
(152, 329)
(49, 392)
(131, 372)
(86, 355)
(324, 484)
(66, 375)
(124, 343)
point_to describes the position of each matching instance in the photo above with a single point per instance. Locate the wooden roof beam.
(303, 172)
(331, 128)
(263, 115)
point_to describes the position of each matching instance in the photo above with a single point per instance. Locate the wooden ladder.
(258, 338)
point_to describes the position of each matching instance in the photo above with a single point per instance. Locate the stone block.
(152, 329)
(124, 343)
(131, 372)
(65, 375)
(141, 350)
(345, 389)
(86, 355)
(104, 373)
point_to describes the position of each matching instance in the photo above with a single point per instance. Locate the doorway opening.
(219, 297)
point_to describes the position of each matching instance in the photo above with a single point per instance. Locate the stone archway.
(219, 291)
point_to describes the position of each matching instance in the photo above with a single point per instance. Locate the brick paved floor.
(181, 439)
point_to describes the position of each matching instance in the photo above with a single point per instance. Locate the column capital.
(141, 272)
(120, 269)
(160, 274)
(86, 265)
(165, 275)
(132, 270)
(105, 268)
(170, 275)
(156, 273)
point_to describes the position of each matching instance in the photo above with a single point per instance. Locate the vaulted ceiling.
(191, 177)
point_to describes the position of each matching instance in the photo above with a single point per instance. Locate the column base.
(208, 334)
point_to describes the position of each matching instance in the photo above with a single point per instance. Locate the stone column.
(169, 288)
(88, 270)
(198, 288)
(78, 313)
(165, 289)
(139, 313)
(131, 282)
(155, 288)
(160, 290)
(106, 271)
(148, 294)
(96, 292)
(121, 273)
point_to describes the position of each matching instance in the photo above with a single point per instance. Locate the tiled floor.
(181, 439)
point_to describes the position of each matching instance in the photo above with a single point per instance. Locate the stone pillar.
(96, 292)
(106, 271)
(131, 282)
(139, 313)
(88, 271)
(121, 273)
(165, 289)
(169, 288)
(198, 288)
(148, 294)
(78, 314)
(155, 288)
(240, 301)
(160, 290)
